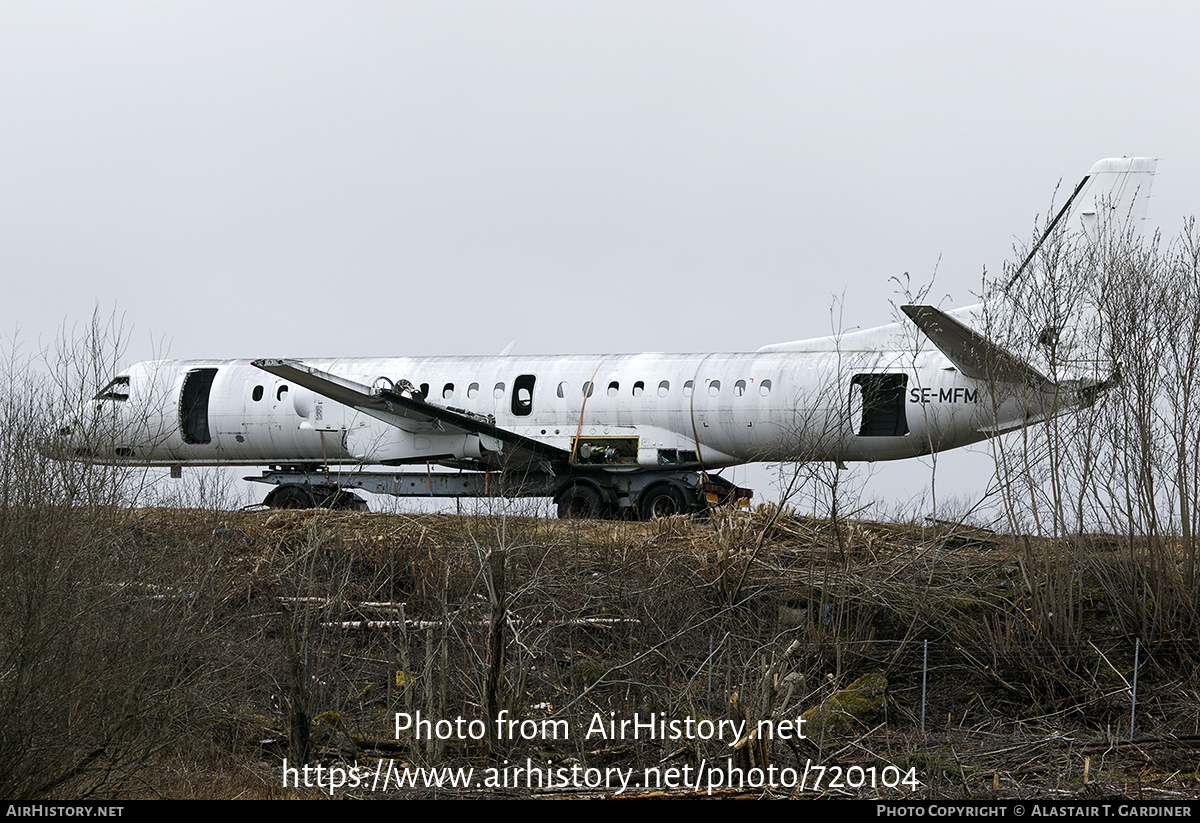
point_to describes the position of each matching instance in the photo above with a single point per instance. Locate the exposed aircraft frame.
(605, 435)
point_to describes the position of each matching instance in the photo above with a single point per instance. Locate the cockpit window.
(117, 389)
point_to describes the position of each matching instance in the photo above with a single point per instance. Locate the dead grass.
(745, 613)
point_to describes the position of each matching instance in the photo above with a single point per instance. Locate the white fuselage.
(866, 396)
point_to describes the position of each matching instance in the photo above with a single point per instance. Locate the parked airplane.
(608, 434)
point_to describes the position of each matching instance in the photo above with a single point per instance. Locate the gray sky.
(291, 179)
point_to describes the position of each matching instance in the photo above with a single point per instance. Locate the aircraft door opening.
(193, 405)
(522, 397)
(877, 405)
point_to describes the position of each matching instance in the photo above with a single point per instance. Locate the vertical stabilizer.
(1120, 185)
(1113, 196)
(1055, 307)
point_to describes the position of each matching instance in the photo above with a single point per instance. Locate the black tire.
(663, 500)
(290, 497)
(580, 502)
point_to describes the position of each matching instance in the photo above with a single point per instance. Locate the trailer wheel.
(580, 502)
(663, 500)
(290, 497)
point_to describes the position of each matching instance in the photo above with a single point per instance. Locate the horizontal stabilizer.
(972, 353)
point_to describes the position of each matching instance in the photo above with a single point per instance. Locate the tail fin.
(1113, 195)
(1050, 316)
(1121, 184)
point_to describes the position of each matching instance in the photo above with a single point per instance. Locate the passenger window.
(764, 388)
(498, 391)
(714, 388)
(739, 388)
(257, 393)
(448, 391)
(472, 390)
(687, 389)
(639, 388)
(664, 388)
(613, 388)
(587, 389)
(281, 393)
(562, 389)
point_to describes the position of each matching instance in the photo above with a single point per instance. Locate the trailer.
(585, 495)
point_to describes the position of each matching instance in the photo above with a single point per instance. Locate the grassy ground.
(972, 664)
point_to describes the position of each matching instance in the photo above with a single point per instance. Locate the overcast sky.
(296, 179)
